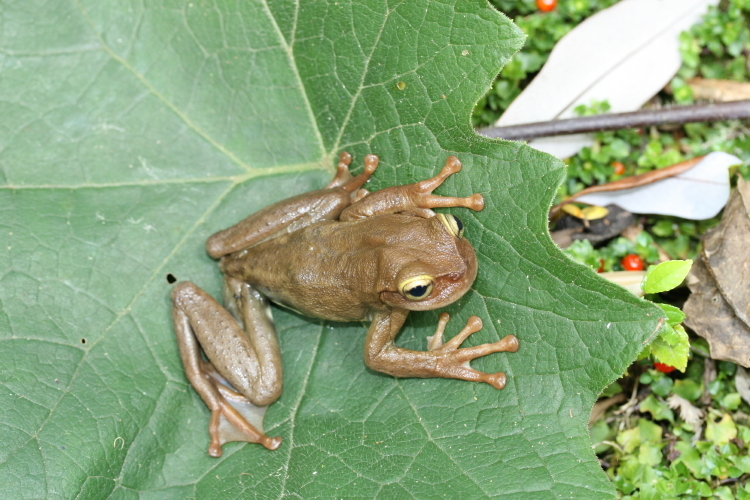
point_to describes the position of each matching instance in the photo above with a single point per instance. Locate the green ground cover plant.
(673, 435)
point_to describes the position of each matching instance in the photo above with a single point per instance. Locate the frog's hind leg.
(250, 363)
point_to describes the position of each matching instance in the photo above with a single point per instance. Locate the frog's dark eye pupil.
(459, 224)
(453, 224)
(417, 288)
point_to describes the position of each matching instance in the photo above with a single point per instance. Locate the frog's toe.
(496, 380)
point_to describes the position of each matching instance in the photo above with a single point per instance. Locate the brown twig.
(616, 121)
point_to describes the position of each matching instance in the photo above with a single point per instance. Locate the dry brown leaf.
(600, 407)
(718, 306)
(725, 250)
(719, 90)
(711, 317)
(742, 383)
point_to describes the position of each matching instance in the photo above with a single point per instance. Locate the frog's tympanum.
(340, 254)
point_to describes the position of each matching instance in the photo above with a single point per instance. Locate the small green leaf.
(649, 431)
(704, 489)
(672, 346)
(611, 390)
(724, 493)
(662, 386)
(731, 401)
(658, 409)
(688, 389)
(629, 439)
(649, 454)
(691, 458)
(665, 276)
(721, 432)
(742, 463)
(674, 315)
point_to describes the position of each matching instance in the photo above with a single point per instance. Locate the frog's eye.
(453, 223)
(416, 288)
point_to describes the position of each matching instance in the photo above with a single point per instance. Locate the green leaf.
(665, 276)
(690, 457)
(672, 346)
(721, 432)
(688, 389)
(132, 131)
(658, 409)
(674, 315)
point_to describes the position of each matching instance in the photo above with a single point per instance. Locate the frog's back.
(334, 270)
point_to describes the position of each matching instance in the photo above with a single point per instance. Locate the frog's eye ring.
(416, 288)
(453, 223)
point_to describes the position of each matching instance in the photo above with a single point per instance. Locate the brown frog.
(341, 254)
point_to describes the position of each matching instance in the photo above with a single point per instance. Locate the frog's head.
(434, 273)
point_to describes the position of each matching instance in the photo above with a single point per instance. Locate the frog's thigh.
(234, 417)
(250, 361)
(287, 215)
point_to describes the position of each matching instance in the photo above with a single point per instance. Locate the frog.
(341, 254)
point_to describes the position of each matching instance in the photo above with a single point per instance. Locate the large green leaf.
(130, 131)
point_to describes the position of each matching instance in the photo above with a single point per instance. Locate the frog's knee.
(185, 291)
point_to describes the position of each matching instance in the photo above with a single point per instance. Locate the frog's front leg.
(447, 360)
(249, 360)
(416, 199)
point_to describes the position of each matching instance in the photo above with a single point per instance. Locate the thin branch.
(616, 121)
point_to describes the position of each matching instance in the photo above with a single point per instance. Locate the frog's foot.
(233, 416)
(422, 191)
(344, 178)
(453, 361)
(415, 199)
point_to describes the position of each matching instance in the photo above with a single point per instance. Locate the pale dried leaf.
(624, 54)
(629, 280)
(697, 194)
(690, 414)
(719, 90)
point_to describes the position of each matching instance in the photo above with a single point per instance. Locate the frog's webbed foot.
(422, 191)
(454, 360)
(233, 416)
(414, 199)
(344, 178)
(447, 360)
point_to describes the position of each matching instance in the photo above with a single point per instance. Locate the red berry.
(546, 5)
(619, 167)
(632, 262)
(601, 266)
(663, 368)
